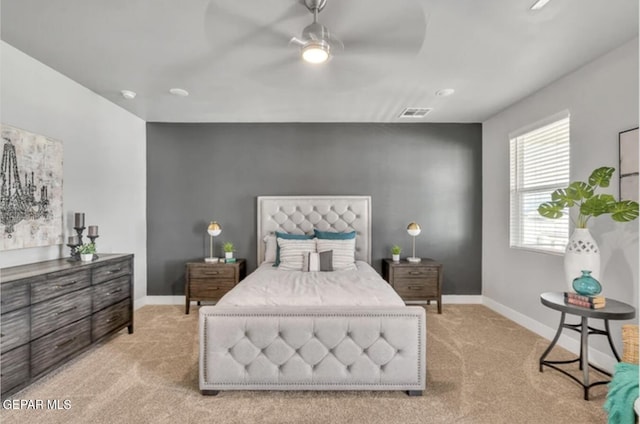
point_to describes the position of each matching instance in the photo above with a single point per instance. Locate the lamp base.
(413, 260)
(212, 260)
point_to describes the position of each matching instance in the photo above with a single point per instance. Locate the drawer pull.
(113, 271)
(60, 286)
(114, 292)
(1, 335)
(415, 287)
(212, 272)
(63, 344)
(415, 273)
(66, 310)
(114, 318)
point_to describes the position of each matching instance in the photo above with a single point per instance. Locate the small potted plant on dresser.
(395, 253)
(87, 251)
(228, 250)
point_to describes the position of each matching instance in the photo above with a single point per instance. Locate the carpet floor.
(481, 368)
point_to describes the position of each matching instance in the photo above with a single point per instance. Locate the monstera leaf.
(598, 205)
(589, 204)
(625, 211)
(601, 176)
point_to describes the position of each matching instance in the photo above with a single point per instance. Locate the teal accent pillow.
(288, 236)
(330, 235)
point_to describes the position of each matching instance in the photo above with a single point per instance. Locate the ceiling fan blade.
(295, 41)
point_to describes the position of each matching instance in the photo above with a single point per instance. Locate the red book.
(590, 299)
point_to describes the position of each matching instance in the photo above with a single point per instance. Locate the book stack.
(591, 302)
(230, 260)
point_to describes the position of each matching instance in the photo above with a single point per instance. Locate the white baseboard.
(596, 357)
(461, 299)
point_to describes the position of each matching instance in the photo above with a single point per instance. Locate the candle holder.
(74, 253)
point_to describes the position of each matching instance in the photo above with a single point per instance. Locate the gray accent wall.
(428, 173)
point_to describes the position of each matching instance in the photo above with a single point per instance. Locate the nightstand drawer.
(208, 272)
(422, 272)
(209, 289)
(15, 329)
(409, 288)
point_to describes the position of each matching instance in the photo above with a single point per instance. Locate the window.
(539, 166)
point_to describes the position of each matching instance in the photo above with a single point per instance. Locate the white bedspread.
(269, 286)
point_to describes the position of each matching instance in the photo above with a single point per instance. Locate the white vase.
(228, 255)
(395, 258)
(582, 253)
(86, 257)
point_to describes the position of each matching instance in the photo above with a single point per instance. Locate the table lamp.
(413, 229)
(214, 229)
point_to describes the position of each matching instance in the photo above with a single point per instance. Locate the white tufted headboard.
(301, 214)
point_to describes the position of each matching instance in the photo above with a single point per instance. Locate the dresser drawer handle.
(113, 271)
(212, 272)
(415, 273)
(1, 335)
(66, 310)
(415, 287)
(114, 292)
(60, 286)
(113, 318)
(63, 344)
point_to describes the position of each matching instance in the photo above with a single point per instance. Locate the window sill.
(538, 250)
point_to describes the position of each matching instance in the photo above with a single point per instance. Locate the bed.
(293, 330)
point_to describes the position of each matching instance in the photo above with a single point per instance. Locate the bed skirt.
(312, 348)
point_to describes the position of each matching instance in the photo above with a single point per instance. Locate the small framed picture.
(629, 157)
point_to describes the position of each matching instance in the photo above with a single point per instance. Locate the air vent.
(415, 112)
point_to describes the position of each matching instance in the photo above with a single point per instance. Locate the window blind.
(539, 165)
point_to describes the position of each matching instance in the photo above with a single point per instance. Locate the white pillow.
(270, 247)
(344, 252)
(291, 253)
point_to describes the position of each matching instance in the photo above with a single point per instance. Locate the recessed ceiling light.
(179, 92)
(445, 92)
(539, 4)
(128, 94)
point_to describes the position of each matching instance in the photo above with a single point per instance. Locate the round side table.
(613, 310)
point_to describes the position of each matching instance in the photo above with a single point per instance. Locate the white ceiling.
(233, 55)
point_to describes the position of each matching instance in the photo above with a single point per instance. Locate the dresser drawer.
(111, 270)
(58, 284)
(51, 315)
(15, 295)
(409, 288)
(211, 290)
(207, 272)
(14, 366)
(111, 318)
(14, 329)
(423, 272)
(110, 292)
(55, 347)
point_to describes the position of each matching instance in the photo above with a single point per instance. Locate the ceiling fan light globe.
(315, 53)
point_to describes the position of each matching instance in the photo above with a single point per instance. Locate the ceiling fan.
(317, 43)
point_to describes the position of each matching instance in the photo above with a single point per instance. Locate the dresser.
(211, 281)
(53, 310)
(415, 281)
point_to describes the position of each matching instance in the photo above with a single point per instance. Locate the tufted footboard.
(330, 348)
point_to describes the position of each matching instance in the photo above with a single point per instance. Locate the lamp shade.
(214, 229)
(413, 229)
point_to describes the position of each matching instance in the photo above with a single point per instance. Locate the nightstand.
(209, 281)
(420, 281)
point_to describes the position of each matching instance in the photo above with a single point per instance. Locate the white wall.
(104, 157)
(602, 98)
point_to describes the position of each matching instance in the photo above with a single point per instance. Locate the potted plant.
(228, 250)
(582, 252)
(395, 253)
(87, 251)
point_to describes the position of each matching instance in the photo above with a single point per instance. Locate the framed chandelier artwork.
(31, 192)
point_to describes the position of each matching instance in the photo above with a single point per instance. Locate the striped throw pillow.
(322, 261)
(292, 251)
(344, 252)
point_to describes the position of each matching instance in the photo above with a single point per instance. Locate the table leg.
(584, 355)
(555, 340)
(613, 348)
